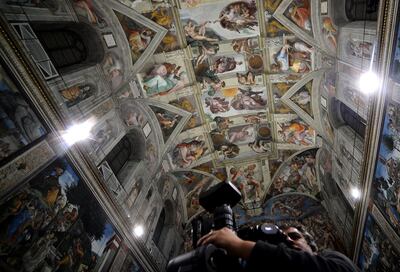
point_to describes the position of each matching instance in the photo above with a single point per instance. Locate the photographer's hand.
(228, 240)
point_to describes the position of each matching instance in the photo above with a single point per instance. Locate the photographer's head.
(299, 238)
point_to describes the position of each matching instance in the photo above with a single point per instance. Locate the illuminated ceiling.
(249, 74)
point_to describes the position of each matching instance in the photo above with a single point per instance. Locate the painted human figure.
(243, 46)
(308, 171)
(164, 78)
(217, 104)
(238, 16)
(301, 15)
(187, 153)
(134, 119)
(33, 258)
(302, 98)
(246, 79)
(73, 95)
(206, 53)
(113, 68)
(225, 64)
(296, 133)
(330, 31)
(166, 120)
(222, 123)
(247, 102)
(19, 123)
(241, 135)
(278, 185)
(256, 185)
(212, 86)
(360, 49)
(88, 7)
(139, 40)
(281, 59)
(292, 56)
(260, 146)
(197, 34)
(240, 181)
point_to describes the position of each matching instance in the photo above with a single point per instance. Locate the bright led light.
(355, 193)
(369, 82)
(78, 132)
(138, 230)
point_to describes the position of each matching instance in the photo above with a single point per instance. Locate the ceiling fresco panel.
(298, 174)
(299, 12)
(217, 65)
(227, 20)
(249, 179)
(164, 17)
(187, 152)
(294, 132)
(302, 98)
(234, 101)
(289, 54)
(138, 36)
(274, 163)
(167, 120)
(142, 34)
(271, 5)
(188, 103)
(208, 167)
(278, 90)
(168, 74)
(192, 184)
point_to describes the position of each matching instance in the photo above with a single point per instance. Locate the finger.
(208, 239)
(200, 241)
(203, 240)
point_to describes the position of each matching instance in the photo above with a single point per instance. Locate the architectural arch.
(70, 46)
(165, 225)
(126, 155)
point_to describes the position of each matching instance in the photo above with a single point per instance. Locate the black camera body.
(219, 200)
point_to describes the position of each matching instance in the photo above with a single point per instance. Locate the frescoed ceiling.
(222, 90)
(249, 74)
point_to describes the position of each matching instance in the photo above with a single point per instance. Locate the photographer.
(297, 254)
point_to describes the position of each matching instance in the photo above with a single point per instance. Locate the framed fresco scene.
(20, 125)
(54, 222)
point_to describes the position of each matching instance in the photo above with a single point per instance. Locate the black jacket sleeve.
(268, 257)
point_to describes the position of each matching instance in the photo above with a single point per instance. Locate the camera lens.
(223, 217)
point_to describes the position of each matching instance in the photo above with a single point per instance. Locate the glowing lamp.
(368, 83)
(138, 230)
(77, 132)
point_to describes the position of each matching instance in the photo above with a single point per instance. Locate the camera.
(219, 201)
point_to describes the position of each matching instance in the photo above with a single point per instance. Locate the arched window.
(64, 47)
(163, 232)
(159, 228)
(362, 10)
(126, 155)
(352, 119)
(119, 155)
(70, 46)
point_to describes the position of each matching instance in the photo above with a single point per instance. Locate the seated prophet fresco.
(164, 78)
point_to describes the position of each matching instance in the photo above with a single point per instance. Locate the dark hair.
(309, 238)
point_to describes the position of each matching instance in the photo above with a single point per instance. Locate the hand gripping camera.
(219, 200)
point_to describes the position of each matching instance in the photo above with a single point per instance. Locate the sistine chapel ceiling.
(215, 91)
